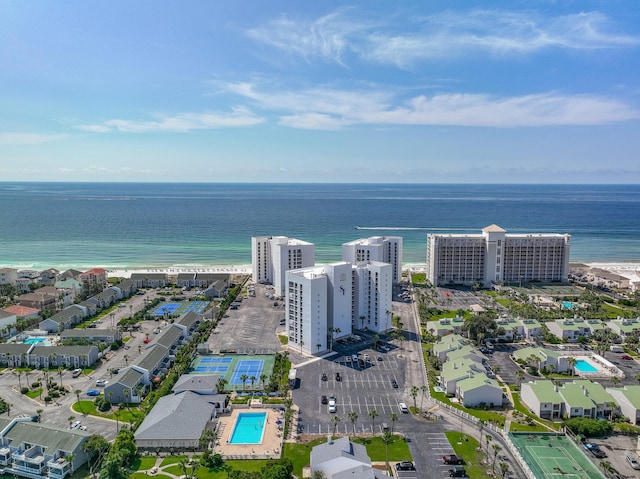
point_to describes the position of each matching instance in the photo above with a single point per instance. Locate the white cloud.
(404, 40)
(16, 138)
(184, 122)
(328, 108)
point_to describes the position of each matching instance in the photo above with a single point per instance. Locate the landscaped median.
(116, 413)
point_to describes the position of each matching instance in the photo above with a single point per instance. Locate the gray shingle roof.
(178, 416)
(51, 437)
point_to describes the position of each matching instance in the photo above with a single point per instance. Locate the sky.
(544, 91)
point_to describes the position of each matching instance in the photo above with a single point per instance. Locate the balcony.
(59, 468)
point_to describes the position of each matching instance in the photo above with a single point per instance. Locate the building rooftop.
(545, 391)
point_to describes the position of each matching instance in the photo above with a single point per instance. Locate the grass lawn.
(143, 463)
(89, 408)
(283, 338)
(468, 451)
(398, 448)
(518, 406)
(34, 394)
(418, 277)
(300, 453)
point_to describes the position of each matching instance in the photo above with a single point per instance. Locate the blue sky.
(297, 91)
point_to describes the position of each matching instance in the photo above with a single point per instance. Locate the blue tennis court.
(250, 367)
(170, 308)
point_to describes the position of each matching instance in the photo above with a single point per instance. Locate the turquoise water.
(249, 428)
(567, 305)
(144, 225)
(585, 367)
(34, 340)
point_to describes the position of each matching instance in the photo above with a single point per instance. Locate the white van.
(616, 349)
(403, 408)
(76, 372)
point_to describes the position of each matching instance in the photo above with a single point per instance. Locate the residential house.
(513, 329)
(72, 285)
(543, 399)
(34, 450)
(7, 323)
(8, 276)
(108, 297)
(176, 422)
(625, 327)
(477, 390)
(607, 279)
(128, 387)
(567, 330)
(203, 280)
(149, 280)
(454, 371)
(466, 352)
(628, 399)
(532, 329)
(13, 355)
(39, 301)
(92, 335)
(49, 276)
(94, 278)
(446, 344)
(545, 358)
(340, 458)
(22, 312)
(584, 398)
(189, 322)
(65, 319)
(68, 357)
(26, 280)
(445, 326)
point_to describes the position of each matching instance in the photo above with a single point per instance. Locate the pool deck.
(271, 446)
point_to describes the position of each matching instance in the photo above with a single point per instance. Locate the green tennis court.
(554, 456)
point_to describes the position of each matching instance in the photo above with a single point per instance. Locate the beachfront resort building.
(273, 256)
(324, 303)
(341, 458)
(384, 249)
(496, 257)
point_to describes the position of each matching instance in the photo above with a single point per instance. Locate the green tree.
(243, 378)
(496, 450)
(96, 447)
(414, 395)
(387, 438)
(373, 414)
(394, 418)
(335, 420)
(504, 469)
(353, 417)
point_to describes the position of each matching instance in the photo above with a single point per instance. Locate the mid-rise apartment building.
(325, 303)
(273, 256)
(384, 249)
(495, 256)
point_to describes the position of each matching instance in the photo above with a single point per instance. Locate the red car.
(625, 356)
(147, 340)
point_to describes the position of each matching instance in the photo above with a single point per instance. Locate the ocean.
(152, 225)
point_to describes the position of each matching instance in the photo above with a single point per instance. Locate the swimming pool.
(34, 340)
(585, 366)
(249, 428)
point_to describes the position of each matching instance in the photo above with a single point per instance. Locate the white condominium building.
(495, 256)
(327, 302)
(273, 256)
(385, 249)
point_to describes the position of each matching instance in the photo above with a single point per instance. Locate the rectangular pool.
(249, 428)
(585, 366)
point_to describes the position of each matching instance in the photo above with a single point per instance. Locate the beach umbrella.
(278, 422)
(282, 409)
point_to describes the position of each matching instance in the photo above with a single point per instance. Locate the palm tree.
(335, 420)
(60, 369)
(221, 384)
(424, 388)
(70, 419)
(373, 414)
(519, 376)
(571, 361)
(414, 394)
(496, 450)
(263, 378)
(394, 418)
(615, 380)
(504, 468)
(496, 369)
(19, 374)
(480, 425)
(387, 438)
(253, 380)
(353, 417)
(39, 413)
(488, 438)
(637, 378)
(244, 378)
(126, 359)
(77, 391)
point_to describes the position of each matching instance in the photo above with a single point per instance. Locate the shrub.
(47, 399)
(24, 390)
(54, 394)
(35, 385)
(589, 427)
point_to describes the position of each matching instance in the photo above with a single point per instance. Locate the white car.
(101, 383)
(332, 405)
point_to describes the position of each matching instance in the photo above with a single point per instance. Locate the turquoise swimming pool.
(585, 366)
(249, 428)
(34, 340)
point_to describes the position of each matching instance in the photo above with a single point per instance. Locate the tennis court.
(234, 367)
(551, 455)
(178, 309)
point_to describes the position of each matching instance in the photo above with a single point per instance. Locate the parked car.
(405, 466)
(323, 399)
(93, 392)
(332, 405)
(76, 373)
(626, 356)
(338, 377)
(101, 383)
(451, 459)
(323, 376)
(403, 408)
(457, 471)
(394, 383)
(632, 459)
(379, 358)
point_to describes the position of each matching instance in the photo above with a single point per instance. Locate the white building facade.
(495, 256)
(384, 249)
(273, 256)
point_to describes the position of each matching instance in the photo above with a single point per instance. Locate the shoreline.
(629, 270)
